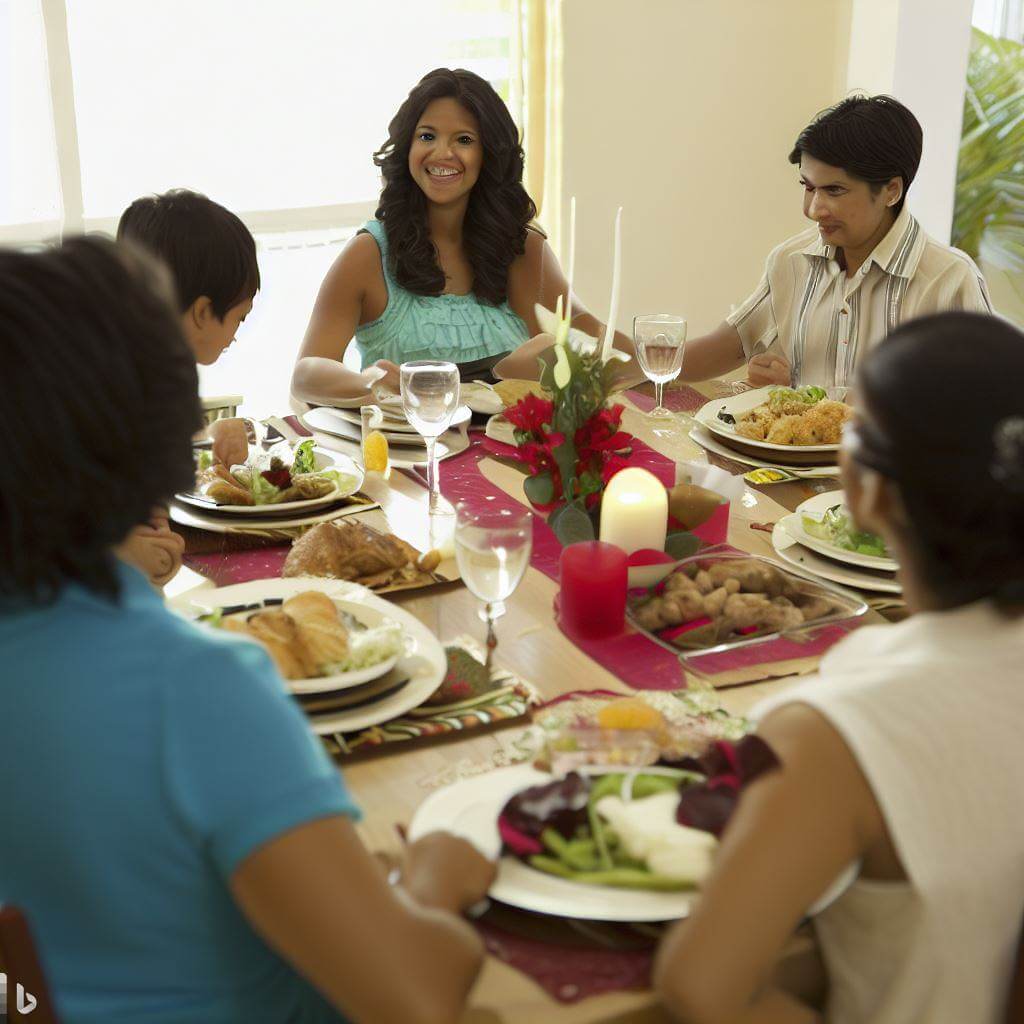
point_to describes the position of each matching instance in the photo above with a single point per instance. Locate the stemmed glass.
(492, 548)
(660, 340)
(430, 396)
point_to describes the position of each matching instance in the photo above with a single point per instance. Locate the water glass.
(430, 397)
(660, 341)
(492, 548)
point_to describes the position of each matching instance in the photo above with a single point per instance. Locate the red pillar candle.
(592, 599)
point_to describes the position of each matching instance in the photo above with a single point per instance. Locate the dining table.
(390, 784)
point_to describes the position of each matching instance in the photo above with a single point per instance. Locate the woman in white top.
(832, 292)
(904, 755)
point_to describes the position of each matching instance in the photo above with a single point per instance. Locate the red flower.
(531, 415)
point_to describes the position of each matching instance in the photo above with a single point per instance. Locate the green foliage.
(989, 210)
(571, 523)
(681, 544)
(540, 489)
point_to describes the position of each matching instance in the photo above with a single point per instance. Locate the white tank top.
(933, 711)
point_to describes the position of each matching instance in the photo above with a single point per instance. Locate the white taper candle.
(613, 312)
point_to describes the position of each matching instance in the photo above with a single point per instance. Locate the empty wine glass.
(660, 340)
(430, 396)
(492, 547)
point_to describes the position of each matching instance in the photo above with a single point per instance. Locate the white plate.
(812, 565)
(424, 661)
(469, 808)
(322, 684)
(707, 441)
(326, 419)
(707, 416)
(324, 460)
(402, 457)
(816, 508)
(185, 515)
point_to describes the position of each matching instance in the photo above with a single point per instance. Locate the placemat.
(508, 703)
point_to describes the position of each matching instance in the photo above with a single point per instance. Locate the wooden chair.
(19, 961)
(1015, 1007)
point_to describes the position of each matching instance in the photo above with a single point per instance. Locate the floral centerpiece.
(572, 442)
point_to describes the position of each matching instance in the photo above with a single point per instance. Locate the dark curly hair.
(106, 393)
(499, 209)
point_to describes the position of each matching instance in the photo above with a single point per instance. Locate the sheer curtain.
(271, 109)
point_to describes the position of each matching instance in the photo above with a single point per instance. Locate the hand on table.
(769, 368)
(392, 379)
(230, 441)
(154, 549)
(442, 870)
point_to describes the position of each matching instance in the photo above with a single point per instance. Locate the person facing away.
(182, 846)
(833, 292)
(903, 756)
(211, 255)
(450, 267)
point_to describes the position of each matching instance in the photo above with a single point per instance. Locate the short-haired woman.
(903, 757)
(179, 840)
(833, 292)
(450, 268)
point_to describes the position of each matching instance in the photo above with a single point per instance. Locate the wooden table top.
(390, 786)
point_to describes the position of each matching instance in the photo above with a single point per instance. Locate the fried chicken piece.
(704, 582)
(680, 582)
(813, 607)
(279, 634)
(783, 430)
(756, 423)
(305, 486)
(348, 551)
(755, 611)
(822, 423)
(714, 603)
(219, 485)
(753, 576)
(671, 609)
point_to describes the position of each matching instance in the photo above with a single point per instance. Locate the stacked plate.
(817, 557)
(191, 509)
(341, 429)
(719, 436)
(346, 701)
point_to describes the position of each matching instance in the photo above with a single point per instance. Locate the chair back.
(27, 991)
(1015, 1007)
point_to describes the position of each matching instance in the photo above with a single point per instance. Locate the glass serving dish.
(707, 634)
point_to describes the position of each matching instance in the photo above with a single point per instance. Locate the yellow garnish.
(375, 452)
(765, 476)
(630, 713)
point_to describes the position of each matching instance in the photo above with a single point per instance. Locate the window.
(272, 109)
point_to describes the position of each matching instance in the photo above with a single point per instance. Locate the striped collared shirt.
(823, 321)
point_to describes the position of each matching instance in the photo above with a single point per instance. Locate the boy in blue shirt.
(182, 846)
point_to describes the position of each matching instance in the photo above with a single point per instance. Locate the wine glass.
(492, 548)
(660, 340)
(430, 396)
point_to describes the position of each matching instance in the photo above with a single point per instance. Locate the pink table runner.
(680, 398)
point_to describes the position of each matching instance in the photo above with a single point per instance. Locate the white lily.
(579, 341)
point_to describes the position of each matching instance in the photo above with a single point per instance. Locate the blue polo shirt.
(141, 760)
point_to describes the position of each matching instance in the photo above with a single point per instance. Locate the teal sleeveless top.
(459, 328)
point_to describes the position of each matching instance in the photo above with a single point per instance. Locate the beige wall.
(683, 112)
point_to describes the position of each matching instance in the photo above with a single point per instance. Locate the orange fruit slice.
(375, 452)
(631, 713)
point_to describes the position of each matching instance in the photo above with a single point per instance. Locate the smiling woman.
(450, 268)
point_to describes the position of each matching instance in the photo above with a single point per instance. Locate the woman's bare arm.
(536, 278)
(353, 288)
(794, 831)
(713, 355)
(379, 954)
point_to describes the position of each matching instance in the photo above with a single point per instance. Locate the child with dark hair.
(902, 762)
(184, 850)
(450, 268)
(211, 255)
(833, 292)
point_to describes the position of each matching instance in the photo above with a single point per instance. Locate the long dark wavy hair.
(499, 209)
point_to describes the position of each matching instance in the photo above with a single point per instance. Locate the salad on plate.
(837, 528)
(278, 476)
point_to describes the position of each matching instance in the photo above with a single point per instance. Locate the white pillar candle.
(572, 255)
(634, 511)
